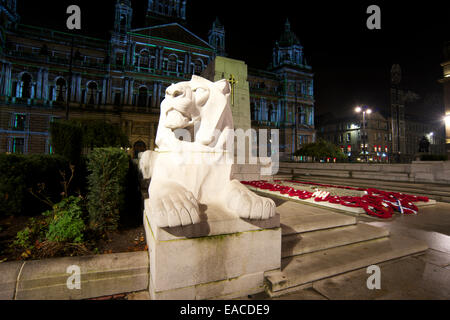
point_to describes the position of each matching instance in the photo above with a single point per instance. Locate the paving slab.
(330, 238)
(296, 218)
(408, 278)
(314, 266)
(9, 273)
(100, 275)
(441, 259)
(434, 240)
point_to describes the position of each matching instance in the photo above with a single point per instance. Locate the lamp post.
(447, 133)
(364, 110)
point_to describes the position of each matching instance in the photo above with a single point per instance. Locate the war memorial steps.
(315, 244)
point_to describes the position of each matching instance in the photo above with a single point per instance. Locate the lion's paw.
(248, 205)
(176, 209)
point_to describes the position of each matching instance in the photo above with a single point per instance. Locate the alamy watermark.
(374, 20)
(74, 280)
(228, 147)
(74, 21)
(374, 281)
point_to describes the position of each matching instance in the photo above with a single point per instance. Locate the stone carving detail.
(190, 174)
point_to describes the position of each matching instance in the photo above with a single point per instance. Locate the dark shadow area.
(291, 239)
(133, 208)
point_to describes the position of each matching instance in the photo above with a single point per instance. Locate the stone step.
(428, 191)
(431, 189)
(306, 268)
(298, 218)
(296, 244)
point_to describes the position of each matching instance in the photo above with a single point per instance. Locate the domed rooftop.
(288, 38)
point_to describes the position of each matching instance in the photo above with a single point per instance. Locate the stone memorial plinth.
(222, 257)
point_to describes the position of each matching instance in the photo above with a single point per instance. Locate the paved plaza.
(422, 276)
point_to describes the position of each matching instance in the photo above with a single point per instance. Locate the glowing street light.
(447, 120)
(364, 110)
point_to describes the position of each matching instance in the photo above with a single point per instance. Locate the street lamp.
(447, 120)
(447, 132)
(364, 110)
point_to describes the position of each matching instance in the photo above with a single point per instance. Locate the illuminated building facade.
(123, 79)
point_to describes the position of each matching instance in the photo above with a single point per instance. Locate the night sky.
(351, 63)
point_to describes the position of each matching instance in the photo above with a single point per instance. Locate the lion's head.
(200, 107)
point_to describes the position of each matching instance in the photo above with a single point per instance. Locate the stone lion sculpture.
(199, 111)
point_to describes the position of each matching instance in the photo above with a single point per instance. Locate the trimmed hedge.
(108, 169)
(70, 137)
(66, 139)
(19, 173)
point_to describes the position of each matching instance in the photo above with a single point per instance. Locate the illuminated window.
(19, 121)
(172, 63)
(18, 145)
(60, 90)
(92, 93)
(25, 86)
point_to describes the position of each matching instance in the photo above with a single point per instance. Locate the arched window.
(60, 90)
(152, 57)
(144, 59)
(198, 67)
(172, 63)
(139, 147)
(25, 86)
(142, 99)
(92, 93)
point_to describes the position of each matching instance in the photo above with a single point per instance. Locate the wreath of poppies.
(378, 203)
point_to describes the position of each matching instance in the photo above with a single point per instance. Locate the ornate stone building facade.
(446, 86)
(123, 79)
(377, 143)
(282, 97)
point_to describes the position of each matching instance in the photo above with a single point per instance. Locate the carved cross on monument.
(232, 82)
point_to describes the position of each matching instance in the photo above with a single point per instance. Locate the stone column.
(155, 88)
(104, 89)
(157, 58)
(45, 85)
(108, 91)
(2, 81)
(73, 84)
(18, 88)
(126, 91)
(131, 91)
(158, 97)
(161, 58)
(78, 88)
(39, 85)
(186, 63)
(8, 79)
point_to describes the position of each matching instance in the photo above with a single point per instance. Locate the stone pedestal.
(223, 257)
